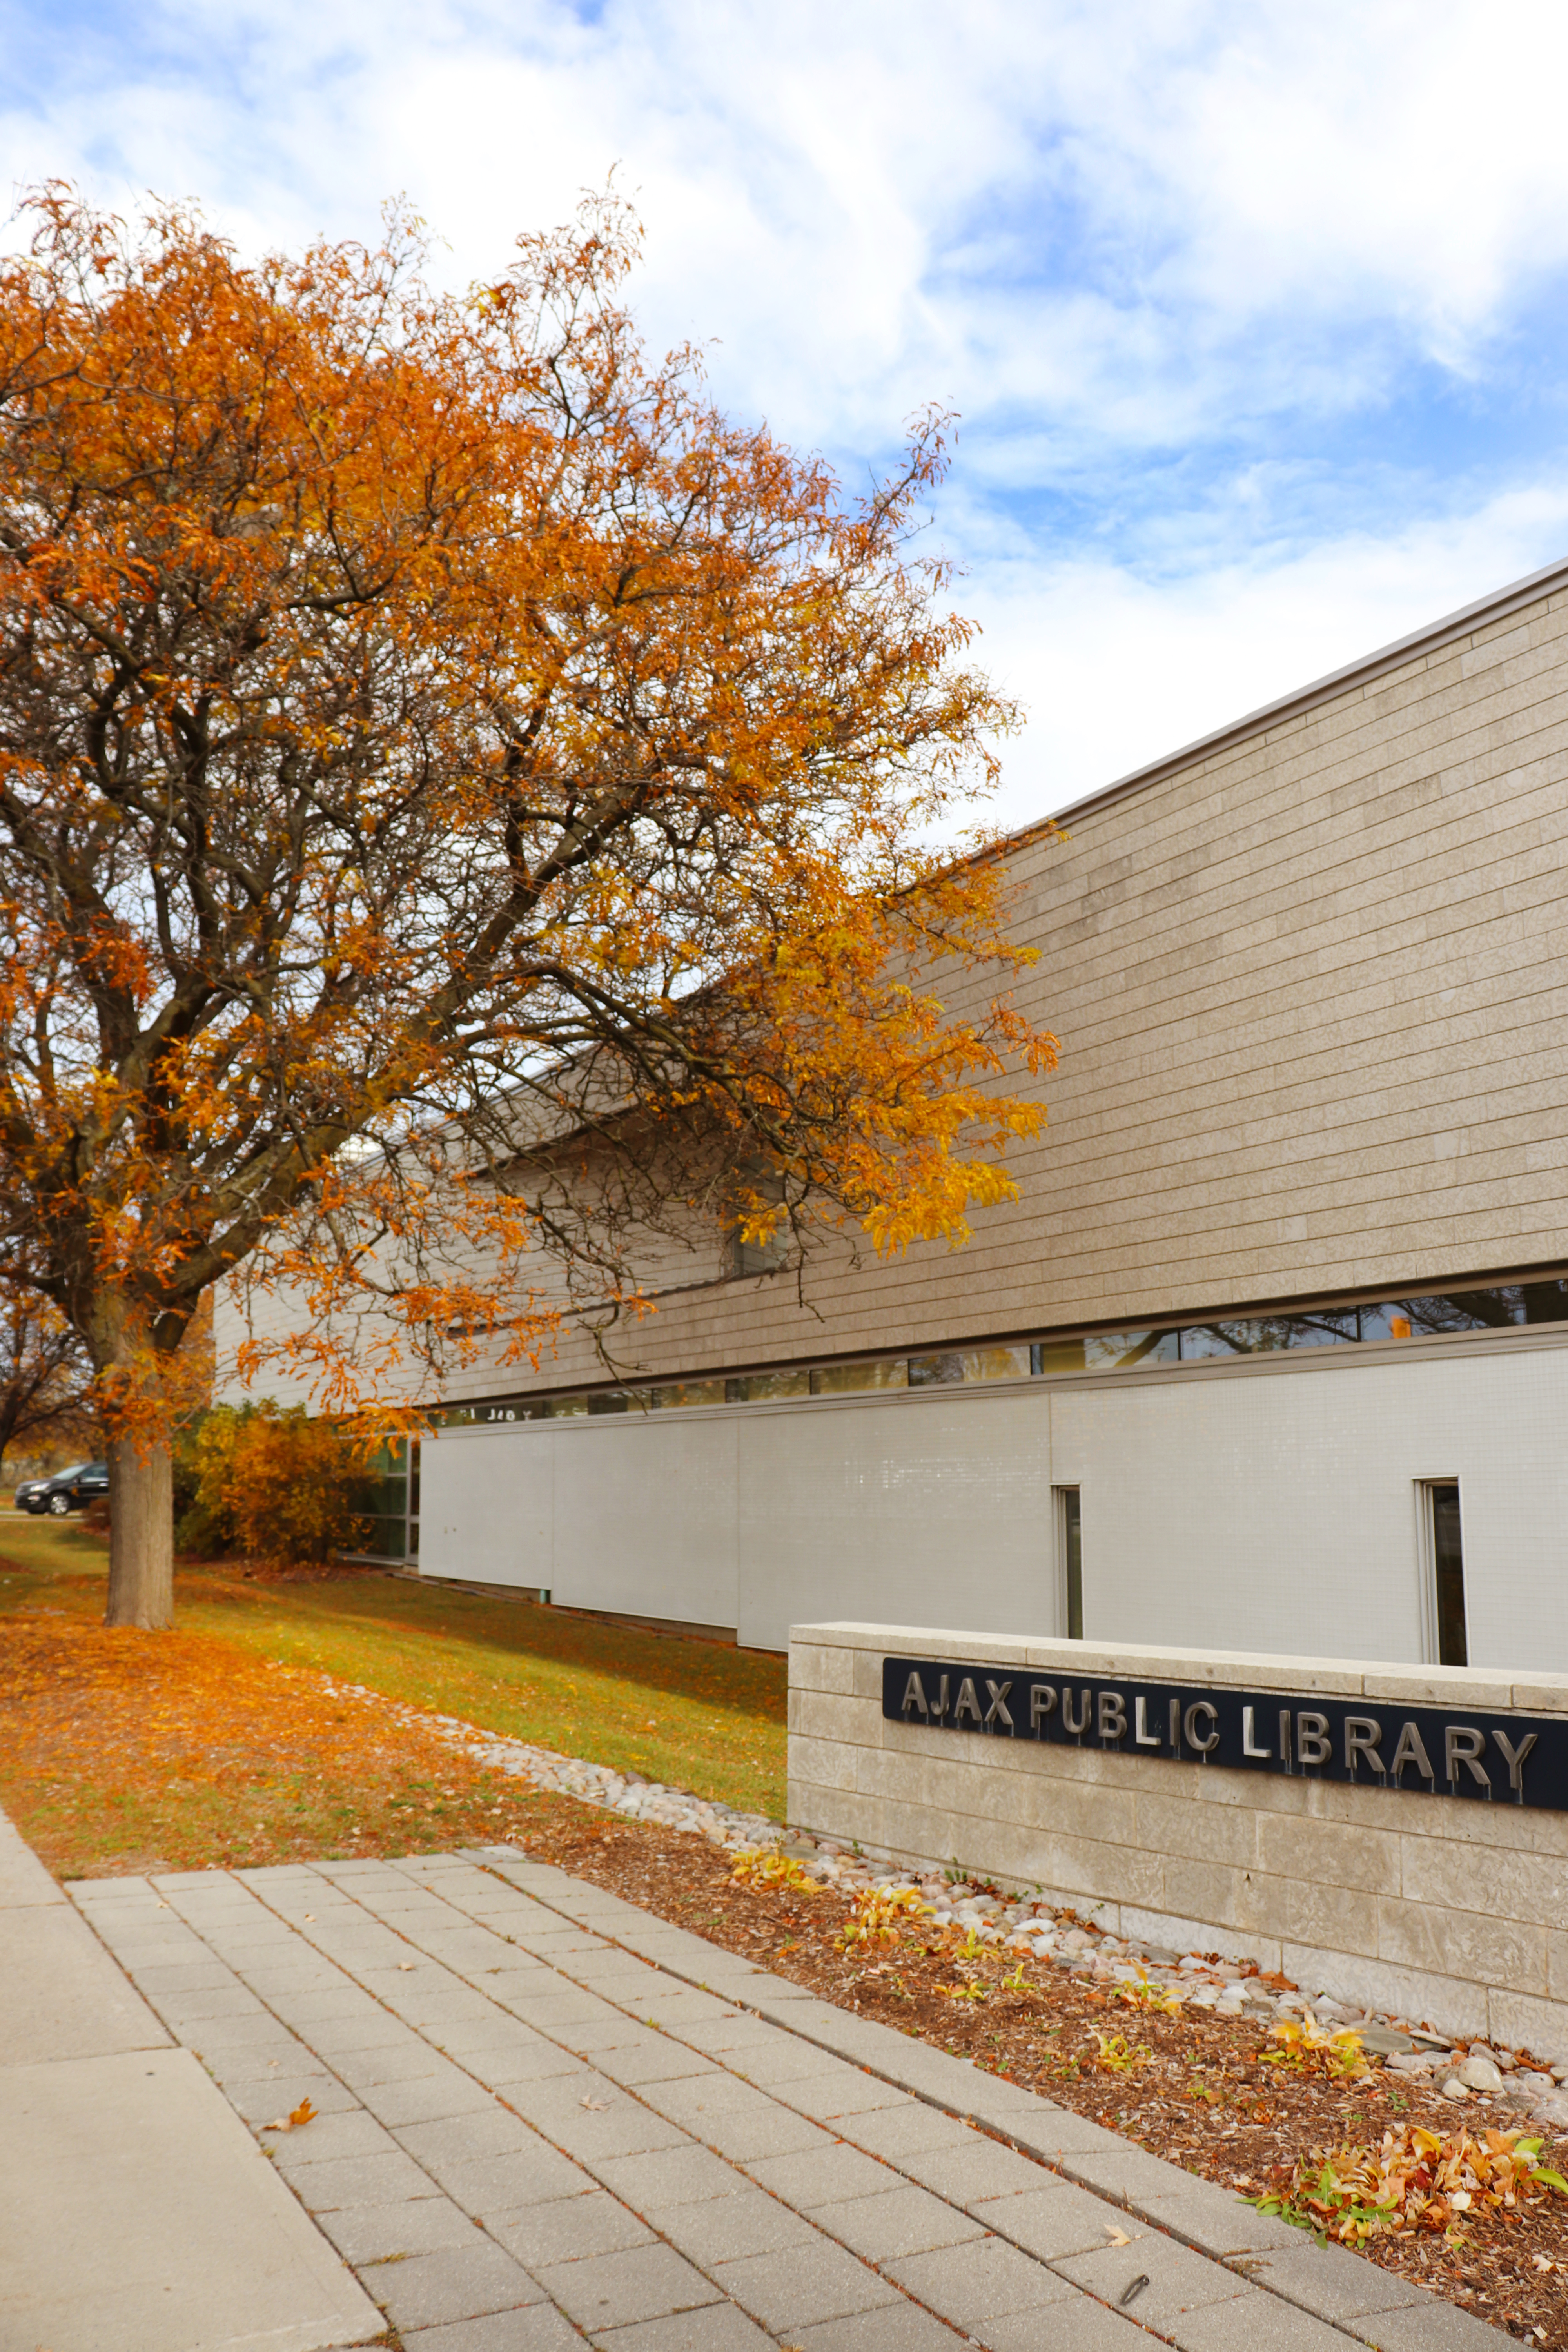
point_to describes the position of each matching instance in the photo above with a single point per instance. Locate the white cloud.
(1118, 672)
(1161, 252)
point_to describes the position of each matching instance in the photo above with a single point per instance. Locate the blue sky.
(1254, 313)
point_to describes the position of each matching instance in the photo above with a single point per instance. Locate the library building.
(1270, 1353)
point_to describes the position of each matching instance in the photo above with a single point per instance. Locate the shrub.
(273, 1483)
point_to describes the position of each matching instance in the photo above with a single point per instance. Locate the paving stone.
(717, 2327)
(304, 2009)
(610, 2290)
(754, 2135)
(913, 2128)
(538, 2327)
(360, 2180)
(1127, 2174)
(962, 2175)
(466, 2139)
(1218, 2223)
(192, 2006)
(984, 2280)
(428, 2098)
(522, 1991)
(499, 2184)
(275, 2092)
(256, 2029)
(181, 1976)
(902, 2221)
(599, 2034)
(826, 2177)
(892, 2327)
(380, 2233)
(776, 2061)
(1179, 2280)
(326, 2138)
(651, 2059)
(1431, 2326)
(615, 2126)
(569, 2229)
(1331, 2282)
(1264, 2325)
(801, 2284)
(844, 2092)
(364, 2068)
(727, 2228)
(1078, 2326)
(1053, 2223)
(503, 2070)
(452, 2283)
(709, 2091)
(344, 2037)
(682, 2176)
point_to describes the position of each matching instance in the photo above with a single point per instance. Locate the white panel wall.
(645, 1516)
(486, 1506)
(1279, 1511)
(1267, 1511)
(940, 1503)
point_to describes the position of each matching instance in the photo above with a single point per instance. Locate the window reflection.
(1501, 1306)
(1262, 1335)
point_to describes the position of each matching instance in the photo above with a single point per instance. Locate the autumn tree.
(462, 798)
(46, 1376)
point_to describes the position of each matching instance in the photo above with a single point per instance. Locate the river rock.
(1480, 2073)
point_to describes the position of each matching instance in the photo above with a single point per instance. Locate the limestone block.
(1549, 1698)
(1517, 2021)
(1525, 1886)
(1330, 1853)
(823, 1763)
(1477, 1946)
(1466, 1689)
(1203, 1890)
(1556, 1985)
(819, 1666)
(822, 1715)
(1340, 1918)
(1198, 1833)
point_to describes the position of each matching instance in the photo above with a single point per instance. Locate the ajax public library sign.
(1425, 1749)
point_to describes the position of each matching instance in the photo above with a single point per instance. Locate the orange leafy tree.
(462, 801)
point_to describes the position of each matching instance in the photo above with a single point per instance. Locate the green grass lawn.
(695, 1714)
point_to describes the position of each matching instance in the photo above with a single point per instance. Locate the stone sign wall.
(1396, 1836)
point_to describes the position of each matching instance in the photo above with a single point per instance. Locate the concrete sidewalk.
(136, 2212)
(548, 2117)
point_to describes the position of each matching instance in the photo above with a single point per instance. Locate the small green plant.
(1119, 2056)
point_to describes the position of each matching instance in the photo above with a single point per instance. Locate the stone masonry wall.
(1427, 1907)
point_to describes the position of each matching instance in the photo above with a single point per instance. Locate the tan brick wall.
(1310, 994)
(1428, 1906)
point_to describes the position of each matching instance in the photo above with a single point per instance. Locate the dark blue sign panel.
(1376, 1743)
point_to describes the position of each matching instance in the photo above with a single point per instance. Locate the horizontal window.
(1502, 1307)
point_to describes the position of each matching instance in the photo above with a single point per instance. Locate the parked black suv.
(68, 1490)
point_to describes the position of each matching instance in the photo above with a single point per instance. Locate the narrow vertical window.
(1070, 1561)
(1445, 1549)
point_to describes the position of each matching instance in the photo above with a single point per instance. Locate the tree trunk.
(141, 1532)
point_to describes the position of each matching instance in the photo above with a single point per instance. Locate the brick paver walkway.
(547, 2117)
